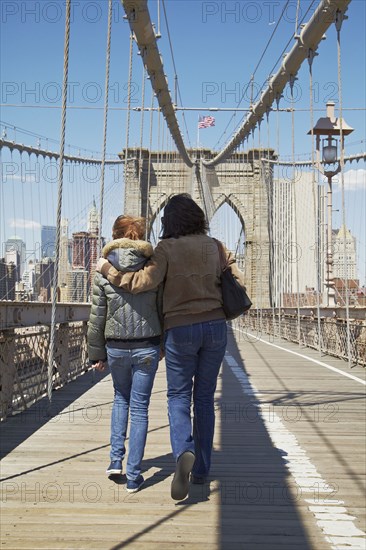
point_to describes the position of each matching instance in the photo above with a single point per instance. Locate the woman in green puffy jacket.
(125, 331)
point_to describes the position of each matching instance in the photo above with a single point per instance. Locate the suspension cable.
(297, 17)
(129, 97)
(176, 83)
(316, 199)
(294, 199)
(250, 83)
(260, 201)
(141, 160)
(106, 97)
(279, 212)
(270, 196)
(59, 204)
(338, 22)
(149, 163)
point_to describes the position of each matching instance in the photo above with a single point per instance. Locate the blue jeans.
(193, 356)
(133, 372)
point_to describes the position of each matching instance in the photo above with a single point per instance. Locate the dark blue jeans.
(133, 373)
(193, 356)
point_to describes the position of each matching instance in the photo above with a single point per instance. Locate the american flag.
(206, 121)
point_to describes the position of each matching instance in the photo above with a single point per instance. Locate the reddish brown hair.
(129, 227)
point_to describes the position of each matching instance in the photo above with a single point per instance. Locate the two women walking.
(186, 262)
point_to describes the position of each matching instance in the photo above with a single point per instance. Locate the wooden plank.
(56, 495)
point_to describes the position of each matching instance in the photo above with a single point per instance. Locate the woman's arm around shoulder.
(145, 279)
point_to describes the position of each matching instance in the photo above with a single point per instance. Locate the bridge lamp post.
(328, 163)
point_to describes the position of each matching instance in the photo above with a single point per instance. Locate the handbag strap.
(222, 254)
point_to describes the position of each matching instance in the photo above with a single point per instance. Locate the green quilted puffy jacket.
(116, 313)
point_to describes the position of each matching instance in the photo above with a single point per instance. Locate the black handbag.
(235, 299)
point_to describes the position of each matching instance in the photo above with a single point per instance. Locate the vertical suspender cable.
(316, 198)
(160, 160)
(260, 207)
(149, 162)
(279, 213)
(142, 109)
(59, 203)
(129, 101)
(106, 97)
(339, 20)
(270, 197)
(141, 160)
(294, 218)
(128, 118)
(297, 16)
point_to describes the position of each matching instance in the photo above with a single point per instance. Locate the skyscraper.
(64, 265)
(48, 241)
(93, 220)
(7, 280)
(344, 243)
(44, 278)
(298, 259)
(15, 253)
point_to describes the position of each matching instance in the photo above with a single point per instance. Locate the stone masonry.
(243, 181)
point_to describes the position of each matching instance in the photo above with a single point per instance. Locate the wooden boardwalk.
(288, 464)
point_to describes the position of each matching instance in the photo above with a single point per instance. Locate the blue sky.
(216, 47)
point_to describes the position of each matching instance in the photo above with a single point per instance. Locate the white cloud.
(20, 223)
(354, 180)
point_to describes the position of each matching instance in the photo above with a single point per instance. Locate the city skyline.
(218, 76)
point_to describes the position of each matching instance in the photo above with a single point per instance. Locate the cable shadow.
(16, 429)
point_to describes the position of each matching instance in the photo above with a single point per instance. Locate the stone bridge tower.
(243, 181)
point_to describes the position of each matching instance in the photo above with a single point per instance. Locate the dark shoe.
(115, 467)
(198, 480)
(180, 483)
(134, 486)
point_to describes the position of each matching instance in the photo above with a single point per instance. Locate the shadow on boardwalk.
(18, 428)
(249, 503)
(249, 486)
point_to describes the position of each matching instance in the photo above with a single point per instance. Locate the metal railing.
(331, 339)
(25, 339)
(24, 351)
(24, 362)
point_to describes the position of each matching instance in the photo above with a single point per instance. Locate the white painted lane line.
(305, 357)
(330, 513)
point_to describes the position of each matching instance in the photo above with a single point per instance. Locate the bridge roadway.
(288, 464)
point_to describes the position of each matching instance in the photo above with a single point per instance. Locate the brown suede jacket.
(190, 269)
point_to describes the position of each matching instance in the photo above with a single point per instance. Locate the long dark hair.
(183, 216)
